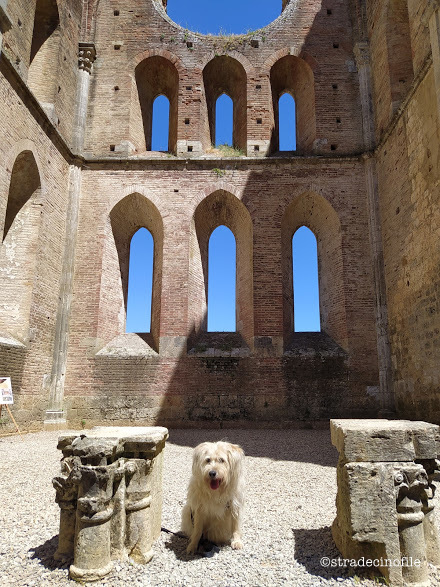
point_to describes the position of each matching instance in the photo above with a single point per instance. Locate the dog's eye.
(207, 460)
(220, 460)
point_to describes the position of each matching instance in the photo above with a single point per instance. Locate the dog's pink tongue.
(215, 483)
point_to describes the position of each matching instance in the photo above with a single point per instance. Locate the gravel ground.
(291, 488)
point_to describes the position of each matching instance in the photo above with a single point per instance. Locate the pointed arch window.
(287, 122)
(224, 114)
(305, 281)
(161, 124)
(19, 244)
(140, 282)
(45, 48)
(221, 280)
(157, 82)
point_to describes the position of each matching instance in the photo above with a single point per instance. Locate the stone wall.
(79, 180)
(408, 164)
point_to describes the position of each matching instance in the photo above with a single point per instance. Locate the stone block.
(110, 495)
(384, 440)
(385, 500)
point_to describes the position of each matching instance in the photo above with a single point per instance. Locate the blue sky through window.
(221, 281)
(140, 282)
(229, 16)
(287, 122)
(305, 281)
(224, 111)
(161, 124)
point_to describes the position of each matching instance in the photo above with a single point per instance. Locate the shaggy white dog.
(215, 495)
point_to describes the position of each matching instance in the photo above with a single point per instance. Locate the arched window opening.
(224, 113)
(305, 281)
(140, 282)
(43, 62)
(225, 82)
(287, 122)
(25, 181)
(18, 253)
(157, 82)
(399, 51)
(161, 124)
(292, 76)
(221, 280)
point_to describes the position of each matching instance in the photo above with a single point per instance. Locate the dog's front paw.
(237, 544)
(191, 548)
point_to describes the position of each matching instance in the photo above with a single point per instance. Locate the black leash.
(178, 534)
(206, 548)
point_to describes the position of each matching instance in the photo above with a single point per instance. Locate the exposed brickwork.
(63, 304)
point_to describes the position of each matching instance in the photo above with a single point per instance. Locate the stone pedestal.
(385, 500)
(110, 496)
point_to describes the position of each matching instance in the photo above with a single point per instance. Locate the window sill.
(219, 344)
(309, 344)
(129, 345)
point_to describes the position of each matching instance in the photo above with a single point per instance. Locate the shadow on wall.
(305, 446)
(263, 375)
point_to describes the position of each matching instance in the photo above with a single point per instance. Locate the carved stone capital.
(362, 54)
(86, 56)
(5, 21)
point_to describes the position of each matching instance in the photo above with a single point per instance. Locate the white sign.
(6, 396)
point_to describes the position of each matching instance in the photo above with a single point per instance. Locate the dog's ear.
(235, 454)
(198, 456)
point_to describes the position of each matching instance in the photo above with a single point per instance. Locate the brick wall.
(264, 373)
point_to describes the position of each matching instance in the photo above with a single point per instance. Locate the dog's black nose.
(212, 474)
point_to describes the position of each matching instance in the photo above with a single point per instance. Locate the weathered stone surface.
(384, 440)
(110, 495)
(385, 502)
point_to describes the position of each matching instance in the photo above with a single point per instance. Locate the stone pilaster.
(55, 417)
(362, 56)
(381, 310)
(86, 58)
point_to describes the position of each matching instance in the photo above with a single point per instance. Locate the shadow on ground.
(178, 543)
(44, 555)
(305, 446)
(316, 551)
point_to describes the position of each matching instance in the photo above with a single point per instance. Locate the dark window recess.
(335, 45)
(117, 47)
(189, 44)
(335, 86)
(338, 120)
(334, 147)
(112, 147)
(186, 120)
(259, 121)
(116, 13)
(258, 87)
(190, 149)
(255, 43)
(189, 88)
(329, 11)
(256, 147)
